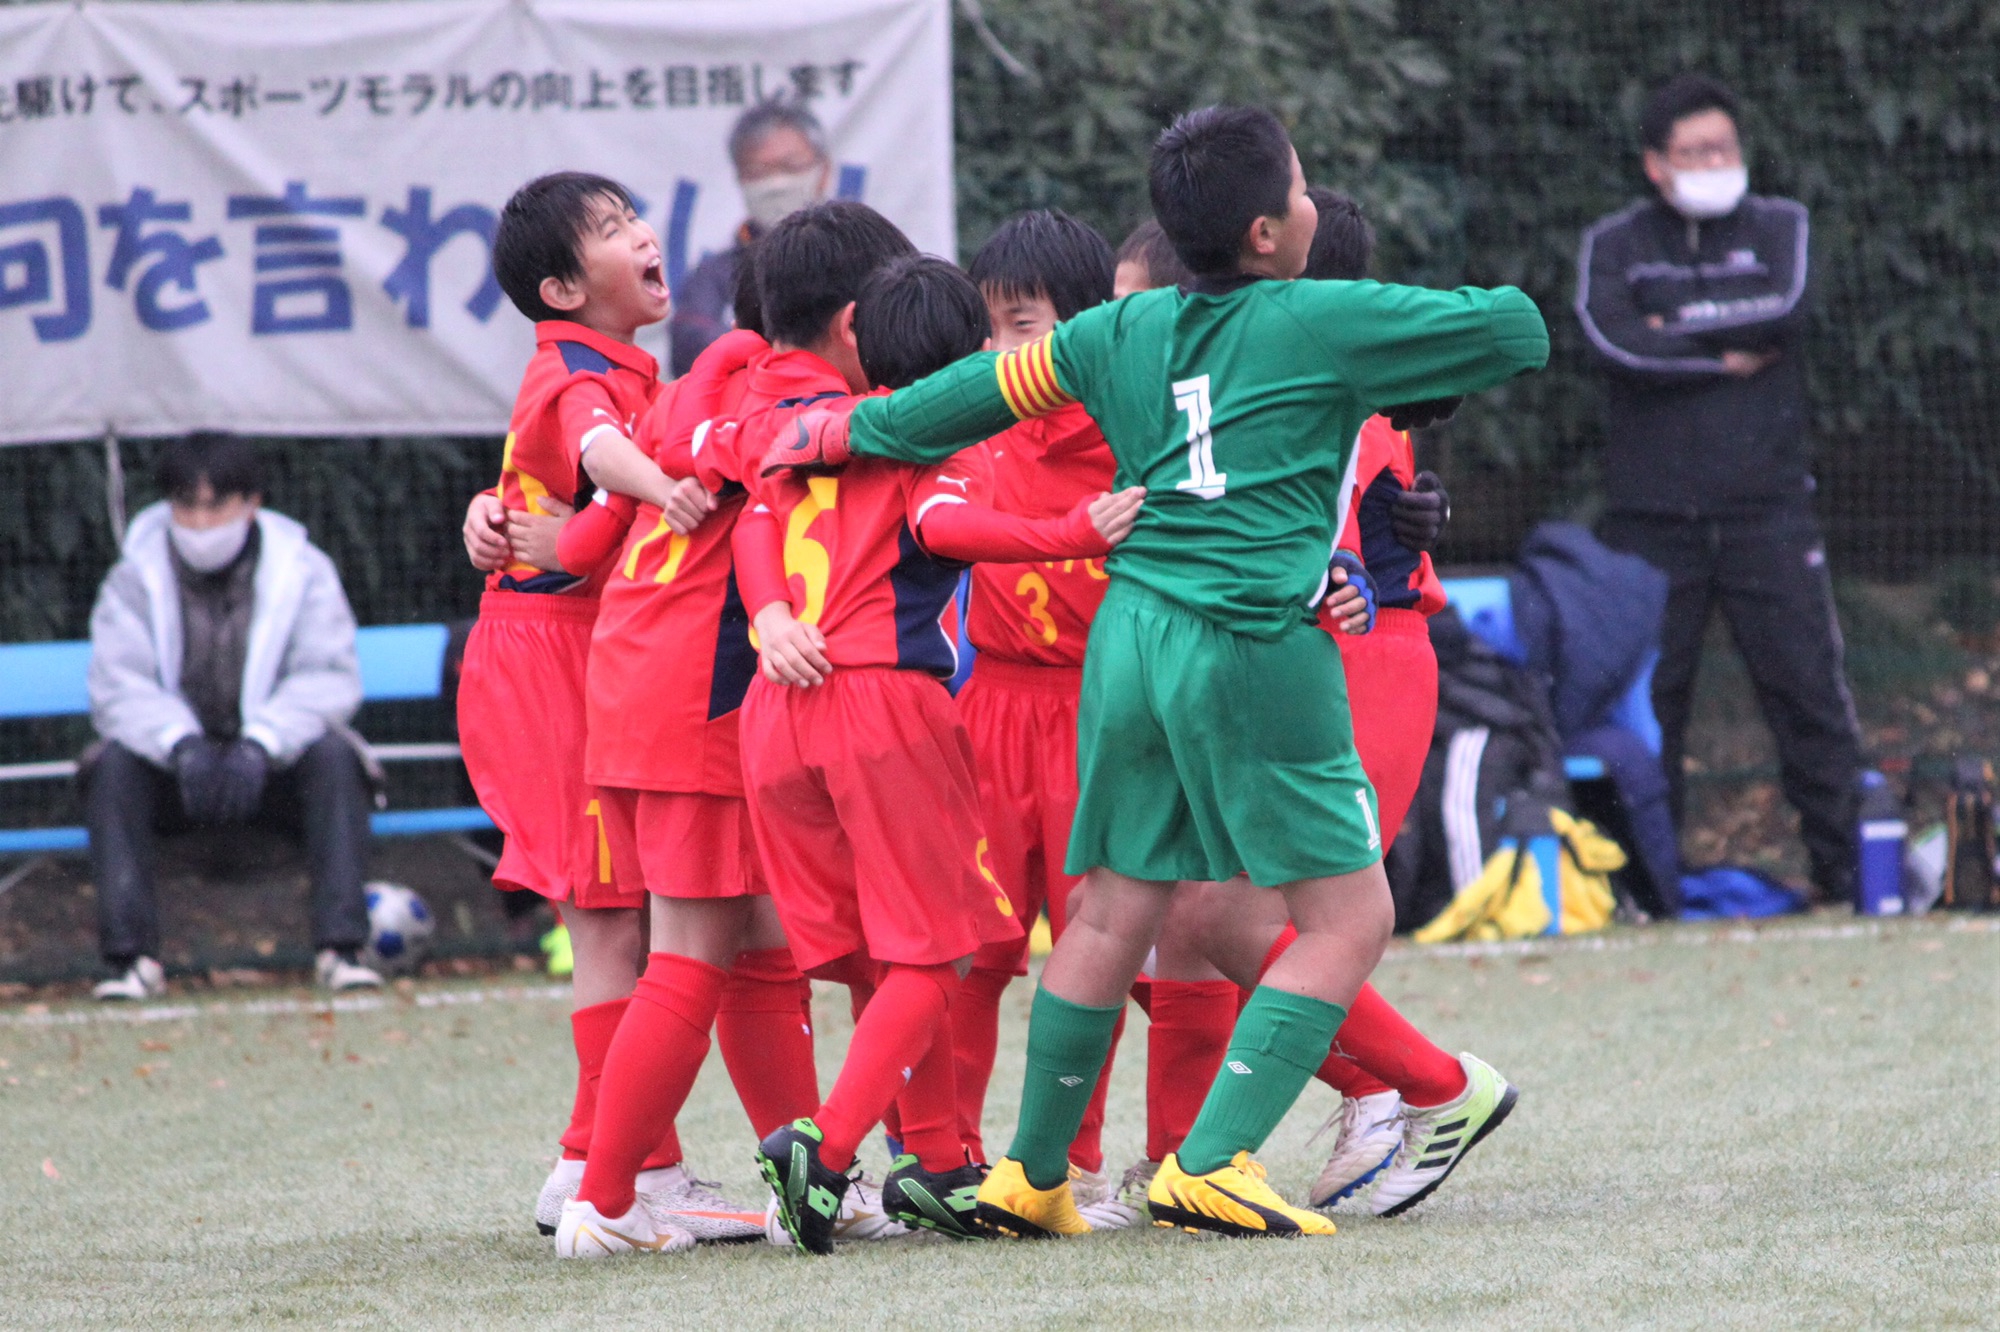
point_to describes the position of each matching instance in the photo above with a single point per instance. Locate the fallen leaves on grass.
(156, 1046)
(49, 1168)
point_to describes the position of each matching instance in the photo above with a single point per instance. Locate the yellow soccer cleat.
(1229, 1200)
(1009, 1205)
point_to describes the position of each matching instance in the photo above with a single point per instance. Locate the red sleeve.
(758, 546)
(588, 539)
(951, 512)
(699, 399)
(584, 406)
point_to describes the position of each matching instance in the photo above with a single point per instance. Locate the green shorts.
(1203, 753)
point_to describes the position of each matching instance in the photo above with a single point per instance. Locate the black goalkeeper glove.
(1417, 415)
(1418, 515)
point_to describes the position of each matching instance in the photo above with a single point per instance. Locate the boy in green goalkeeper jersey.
(1213, 735)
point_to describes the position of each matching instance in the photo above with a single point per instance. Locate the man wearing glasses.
(1693, 304)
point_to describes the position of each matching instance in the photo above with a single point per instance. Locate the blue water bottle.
(1878, 877)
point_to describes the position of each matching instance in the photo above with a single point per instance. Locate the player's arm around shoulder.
(952, 514)
(1397, 344)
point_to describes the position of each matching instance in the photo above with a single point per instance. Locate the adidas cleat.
(1436, 1140)
(1100, 1202)
(674, 1197)
(808, 1192)
(1371, 1129)
(945, 1202)
(584, 1232)
(1009, 1205)
(557, 1189)
(1229, 1200)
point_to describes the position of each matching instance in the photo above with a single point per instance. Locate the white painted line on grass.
(39, 1016)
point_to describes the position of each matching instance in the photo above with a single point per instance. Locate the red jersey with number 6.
(1039, 614)
(670, 657)
(852, 558)
(577, 383)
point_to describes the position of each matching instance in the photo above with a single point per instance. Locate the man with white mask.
(782, 165)
(1693, 303)
(222, 673)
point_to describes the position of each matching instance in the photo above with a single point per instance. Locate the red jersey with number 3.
(1384, 466)
(577, 383)
(1039, 614)
(670, 657)
(852, 557)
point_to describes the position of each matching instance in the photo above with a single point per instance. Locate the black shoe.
(945, 1202)
(808, 1192)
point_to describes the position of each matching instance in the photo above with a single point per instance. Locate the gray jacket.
(300, 675)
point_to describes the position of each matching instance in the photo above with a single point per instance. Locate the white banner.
(275, 218)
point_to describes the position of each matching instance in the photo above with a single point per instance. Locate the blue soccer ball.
(399, 927)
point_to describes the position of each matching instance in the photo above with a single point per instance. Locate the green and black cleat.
(808, 1192)
(945, 1202)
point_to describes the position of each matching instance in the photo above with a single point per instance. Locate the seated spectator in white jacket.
(222, 675)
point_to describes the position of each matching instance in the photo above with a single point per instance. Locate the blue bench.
(398, 661)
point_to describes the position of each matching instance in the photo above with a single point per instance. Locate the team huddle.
(705, 699)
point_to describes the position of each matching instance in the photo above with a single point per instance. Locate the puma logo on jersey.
(964, 483)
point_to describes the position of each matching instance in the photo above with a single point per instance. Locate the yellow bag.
(1506, 901)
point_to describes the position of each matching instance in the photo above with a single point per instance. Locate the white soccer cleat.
(1435, 1140)
(584, 1232)
(144, 979)
(557, 1189)
(676, 1198)
(1099, 1201)
(1371, 1129)
(1136, 1183)
(336, 973)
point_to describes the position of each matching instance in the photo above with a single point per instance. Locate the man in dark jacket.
(1694, 303)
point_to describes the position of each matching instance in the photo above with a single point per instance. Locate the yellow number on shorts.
(1000, 902)
(595, 811)
(804, 556)
(1040, 626)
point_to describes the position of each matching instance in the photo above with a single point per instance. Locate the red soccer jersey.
(577, 382)
(670, 657)
(1039, 614)
(852, 558)
(1384, 466)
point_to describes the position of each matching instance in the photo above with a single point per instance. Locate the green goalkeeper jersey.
(1237, 410)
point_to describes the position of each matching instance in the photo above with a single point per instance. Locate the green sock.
(1067, 1044)
(1280, 1041)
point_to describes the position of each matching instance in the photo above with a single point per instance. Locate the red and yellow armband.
(1028, 381)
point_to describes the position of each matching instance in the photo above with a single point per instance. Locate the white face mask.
(1713, 192)
(206, 549)
(776, 197)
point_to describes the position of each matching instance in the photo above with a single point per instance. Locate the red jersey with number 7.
(577, 383)
(852, 557)
(1039, 614)
(670, 656)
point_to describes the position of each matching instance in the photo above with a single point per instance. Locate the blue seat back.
(44, 679)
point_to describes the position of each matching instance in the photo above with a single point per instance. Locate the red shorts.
(520, 727)
(1022, 720)
(1392, 690)
(866, 812)
(681, 843)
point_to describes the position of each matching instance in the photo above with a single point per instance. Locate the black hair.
(748, 311)
(1683, 95)
(915, 316)
(541, 234)
(1149, 247)
(229, 463)
(815, 261)
(1343, 242)
(1214, 172)
(1045, 253)
(761, 119)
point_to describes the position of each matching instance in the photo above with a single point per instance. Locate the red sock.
(1191, 1025)
(928, 1104)
(1383, 1043)
(1086, 1149)
(648, 1073)
(890, 1039)
(1377, 1050)
(766, 1043)
(1286, 938)
(861, 976)
(591, 1030)
(975, 1037)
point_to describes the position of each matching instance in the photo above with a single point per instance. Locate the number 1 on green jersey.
(1191, 396)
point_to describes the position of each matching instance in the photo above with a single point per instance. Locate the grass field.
(1793, 1127)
